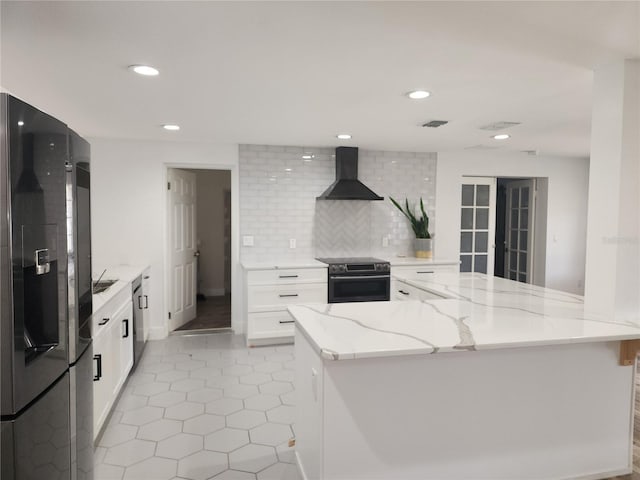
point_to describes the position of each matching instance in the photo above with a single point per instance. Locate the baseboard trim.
(213, 292)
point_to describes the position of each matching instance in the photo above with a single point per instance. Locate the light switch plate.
(292, 243)
(247, 241)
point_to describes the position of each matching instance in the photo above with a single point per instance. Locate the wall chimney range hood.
(347, 186)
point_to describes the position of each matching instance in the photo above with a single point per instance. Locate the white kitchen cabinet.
(270, 291)
(422, 272)
(418, 270)
(403, 291)
(146, 314)
(113, 353)
(124, 323)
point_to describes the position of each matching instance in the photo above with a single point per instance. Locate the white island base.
(541, 412)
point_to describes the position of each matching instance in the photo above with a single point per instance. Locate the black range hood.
(347, 186)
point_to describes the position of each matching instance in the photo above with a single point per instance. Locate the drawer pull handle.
(403, 292)
(104, 321)
(426, 271)
(287, 321)
(288, 276)
(288, 295)
(146, 301)
(98, 358)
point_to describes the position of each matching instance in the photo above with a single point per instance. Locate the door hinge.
(169, 315)
(168, 185)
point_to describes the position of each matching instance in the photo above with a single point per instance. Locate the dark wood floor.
(211, 313)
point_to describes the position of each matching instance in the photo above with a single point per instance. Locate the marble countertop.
(479, 313)
(124, 274)
(313, 263)
(283, 264)
(414, 261)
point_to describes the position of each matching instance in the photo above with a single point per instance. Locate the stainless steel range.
(358, 279)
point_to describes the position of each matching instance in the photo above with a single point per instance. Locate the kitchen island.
(496, 380)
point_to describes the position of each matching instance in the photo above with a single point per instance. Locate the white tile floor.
(203, 407)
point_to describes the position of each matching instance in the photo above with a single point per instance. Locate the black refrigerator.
(43, 429)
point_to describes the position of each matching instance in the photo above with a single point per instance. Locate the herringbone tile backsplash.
(278, 190)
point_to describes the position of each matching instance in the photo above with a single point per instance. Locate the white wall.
(613, 240)
(566, 212)
(129, 182)
(210, 188)
(278, 202)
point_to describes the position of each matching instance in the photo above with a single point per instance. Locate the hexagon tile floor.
(203, 407)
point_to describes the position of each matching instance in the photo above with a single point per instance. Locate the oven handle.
(360, 277)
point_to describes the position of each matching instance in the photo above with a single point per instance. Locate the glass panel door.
(519, 237)
(477, 220)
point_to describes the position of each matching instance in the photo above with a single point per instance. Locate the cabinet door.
(123, 338)
(103, 379)
(144, 302)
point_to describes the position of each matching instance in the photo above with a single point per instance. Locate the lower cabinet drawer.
(422, 272)
(270, 325)
(288, 276)
(266, 297)
(405, 292)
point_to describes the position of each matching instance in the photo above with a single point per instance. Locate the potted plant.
(420, 226)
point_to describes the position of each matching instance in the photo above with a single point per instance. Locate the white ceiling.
(297, 73)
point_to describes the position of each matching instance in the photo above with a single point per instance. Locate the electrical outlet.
(247, 241)
(385, 241)
(292, 243)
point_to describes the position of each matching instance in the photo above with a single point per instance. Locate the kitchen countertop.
(124, 274)
(414, 261)
(283, 264)
(480, 313)
(313, 263)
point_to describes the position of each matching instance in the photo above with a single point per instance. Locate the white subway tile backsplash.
(276, 205)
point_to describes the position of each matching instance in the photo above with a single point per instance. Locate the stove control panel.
(359, 268)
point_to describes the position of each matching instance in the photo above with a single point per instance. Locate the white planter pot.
(423, 247)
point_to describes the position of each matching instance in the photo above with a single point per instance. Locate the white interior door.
(518, 257)
(477, 224)
(182, 234)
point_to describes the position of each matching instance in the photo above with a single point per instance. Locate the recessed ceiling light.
(20, 123)
(501, 136)
(171, 127)
(343, 136)
(418, 94)
(145, 70)
(287, 169)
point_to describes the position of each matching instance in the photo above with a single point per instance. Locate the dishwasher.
(140, 303)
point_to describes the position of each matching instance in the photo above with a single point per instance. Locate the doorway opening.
(199, 238)
(503, 224)
(521, 225)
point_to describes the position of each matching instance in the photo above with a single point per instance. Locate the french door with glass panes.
(518, 257)
(477, 224)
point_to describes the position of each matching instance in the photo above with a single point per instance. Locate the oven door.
(359, 288)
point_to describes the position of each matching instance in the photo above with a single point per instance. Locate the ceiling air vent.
(435, 123)
(480, 147)
(494, 127)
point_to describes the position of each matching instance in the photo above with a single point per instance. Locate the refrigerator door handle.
(98, 358)
(126, 328)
